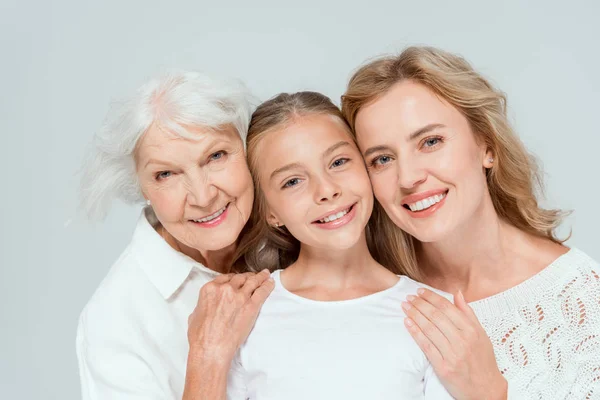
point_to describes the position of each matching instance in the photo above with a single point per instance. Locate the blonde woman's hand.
(456, 345)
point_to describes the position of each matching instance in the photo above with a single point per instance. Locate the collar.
(166, 268)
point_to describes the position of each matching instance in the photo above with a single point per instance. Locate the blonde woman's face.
(315, 182)
(425, 165)
(200, 189)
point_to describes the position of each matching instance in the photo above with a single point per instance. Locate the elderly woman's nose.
(201, 192)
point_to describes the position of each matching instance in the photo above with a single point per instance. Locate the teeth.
(333, 217)
(426, 203)
(212, 216)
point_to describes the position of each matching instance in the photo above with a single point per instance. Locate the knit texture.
(546, 331)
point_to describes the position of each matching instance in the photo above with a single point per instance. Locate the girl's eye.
(381, 160)
(217, 156)
(163, 175)
(432, 141)
(291, 182)
(339, 162)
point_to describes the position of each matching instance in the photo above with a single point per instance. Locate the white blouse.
(132, 334)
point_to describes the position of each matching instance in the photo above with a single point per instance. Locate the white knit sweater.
(546, 331)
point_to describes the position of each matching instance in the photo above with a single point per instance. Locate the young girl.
(332, 327)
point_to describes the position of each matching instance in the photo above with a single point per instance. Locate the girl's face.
(425, 165)
(315, 182)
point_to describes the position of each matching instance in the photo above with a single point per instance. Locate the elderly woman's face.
(200, 189)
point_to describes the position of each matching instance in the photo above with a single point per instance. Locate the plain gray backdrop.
(64, 61)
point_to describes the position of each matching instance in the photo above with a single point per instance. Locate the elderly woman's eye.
(163, 175)
(218, 155)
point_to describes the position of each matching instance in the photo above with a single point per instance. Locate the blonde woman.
(454, 177)
(330, 329)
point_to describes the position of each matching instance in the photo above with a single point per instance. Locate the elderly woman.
(450, 172)
(178, 145)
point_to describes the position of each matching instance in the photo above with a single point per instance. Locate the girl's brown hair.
(514, 178)
(265, 246)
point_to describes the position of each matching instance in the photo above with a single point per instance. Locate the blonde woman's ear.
(488, 161)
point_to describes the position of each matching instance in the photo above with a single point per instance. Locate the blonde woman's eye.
(339, 162)
(381, 160)
(431, 142)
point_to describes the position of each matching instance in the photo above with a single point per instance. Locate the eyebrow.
(210, 146)
(424, 130)
(413, 136)
(326, 153)
(285, 168)
(336, 146)
(159, 162)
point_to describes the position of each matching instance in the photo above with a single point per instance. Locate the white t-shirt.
(351, 349)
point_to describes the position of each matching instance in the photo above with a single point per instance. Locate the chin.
(430, 235)
(341, 243)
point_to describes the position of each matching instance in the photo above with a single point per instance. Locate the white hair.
(176, 101)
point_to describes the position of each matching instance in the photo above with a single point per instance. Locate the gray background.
(63, 61)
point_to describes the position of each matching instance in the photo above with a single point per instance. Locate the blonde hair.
(515, 176)
(265, 246)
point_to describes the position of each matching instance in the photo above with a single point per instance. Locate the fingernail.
(462, 297)
(410, 297)
(271, 279)
(421, 291)
(265, 270)
(406, 306)
(409, 322)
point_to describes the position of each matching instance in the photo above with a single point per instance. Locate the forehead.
(302, 139)
(158, 139)
(405, 107)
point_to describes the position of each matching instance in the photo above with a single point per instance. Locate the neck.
(331, 268)
(484, 257)
(217, 260)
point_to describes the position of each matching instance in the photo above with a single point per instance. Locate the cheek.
(168, 203)
(384, 186)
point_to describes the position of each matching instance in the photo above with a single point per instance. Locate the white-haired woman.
(177, 145)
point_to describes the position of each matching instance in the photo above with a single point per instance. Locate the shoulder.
(112, 307)
(411, 286)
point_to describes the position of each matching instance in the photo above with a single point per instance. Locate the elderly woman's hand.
(456, 345)
(222, 320)
(225, 314)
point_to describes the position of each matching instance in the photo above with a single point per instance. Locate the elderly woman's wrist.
(214, 356)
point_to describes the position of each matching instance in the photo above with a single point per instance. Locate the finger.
(433, 333)
(461, 303)
(437, 317)
(454, 314)
(253, 282)
(238, 280)
(223, 278)
(427, 347)
(262, 292)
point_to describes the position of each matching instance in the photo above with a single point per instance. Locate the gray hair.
(175, 101)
